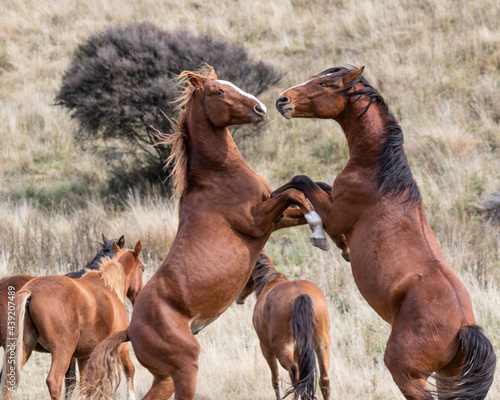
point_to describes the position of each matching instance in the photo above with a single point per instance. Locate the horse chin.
(286, 112)
(256, 120)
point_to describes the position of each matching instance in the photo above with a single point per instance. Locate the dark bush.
(489, 208)
(120, 85)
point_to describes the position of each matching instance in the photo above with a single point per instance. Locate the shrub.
(489, 208)
(119, 87)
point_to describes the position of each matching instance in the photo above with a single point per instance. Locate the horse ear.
(104, 238)
(121, 242)
(116, 249)
(138, 248)
(194, 80)
(352, 76)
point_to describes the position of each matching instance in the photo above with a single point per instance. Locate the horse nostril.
(282, 101)
(259, 110)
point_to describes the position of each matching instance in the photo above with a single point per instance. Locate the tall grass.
(436, 63)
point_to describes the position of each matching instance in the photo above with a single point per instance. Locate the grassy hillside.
(436, 63)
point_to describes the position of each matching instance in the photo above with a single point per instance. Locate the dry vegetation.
(437, 64)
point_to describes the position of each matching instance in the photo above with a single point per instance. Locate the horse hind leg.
(58, 368)
(128, 369)
(162, 388)
(273, 366)
(323, 354)
(70, 379)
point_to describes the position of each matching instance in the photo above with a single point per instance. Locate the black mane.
(393, 172)
(263, 272)
(105, 251)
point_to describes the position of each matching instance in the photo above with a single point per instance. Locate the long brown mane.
(178, 156)
(111, 272)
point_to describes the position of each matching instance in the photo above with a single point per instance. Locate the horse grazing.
(68, 318)
(292, 322)
(226, 216)
(396, 261)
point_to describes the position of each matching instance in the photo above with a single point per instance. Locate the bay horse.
(292, 322)
(396, 261)
(226, 216)
(68, 318)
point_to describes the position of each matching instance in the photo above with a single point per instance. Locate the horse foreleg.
(266, 213)
(128, 369)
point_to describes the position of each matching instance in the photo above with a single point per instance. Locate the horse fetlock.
(318, 236)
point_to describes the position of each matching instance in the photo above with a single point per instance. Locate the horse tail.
(303, 328)
(13, 354)
(103, 372)
(476, 376)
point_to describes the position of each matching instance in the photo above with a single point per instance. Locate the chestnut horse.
(16, 282)
(396, 261)
(69, 317)
(226, 216)
(292, 322)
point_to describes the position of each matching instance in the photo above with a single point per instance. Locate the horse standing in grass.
(226, 217)
(396, 261)
(292, 322)
(69, 317)
(16, 282)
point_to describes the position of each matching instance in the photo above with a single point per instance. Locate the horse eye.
(323, 84)
(220, 92)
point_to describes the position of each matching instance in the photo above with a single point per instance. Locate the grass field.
(436, 63)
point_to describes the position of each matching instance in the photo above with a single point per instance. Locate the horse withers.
(69, 318)
(292, 322)
(395, 258)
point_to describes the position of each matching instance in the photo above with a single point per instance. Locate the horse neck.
(365, 133)
(208, 147)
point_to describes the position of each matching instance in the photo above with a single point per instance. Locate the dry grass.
(436, 63)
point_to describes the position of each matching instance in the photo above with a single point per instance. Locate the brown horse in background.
(16, 282)
(68, 318)
(396, 261)
(226, 217)
(292, 322)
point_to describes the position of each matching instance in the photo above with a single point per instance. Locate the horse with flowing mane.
(226, 215)
(395, 258)
(68, 318)
(292, 322)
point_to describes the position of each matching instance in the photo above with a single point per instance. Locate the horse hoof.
(320, 243)
(346, 257)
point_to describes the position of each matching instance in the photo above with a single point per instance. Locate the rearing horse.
(226, 217)
(396, 261)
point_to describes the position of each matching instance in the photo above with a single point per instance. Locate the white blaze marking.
(302, 84)
(242, 92)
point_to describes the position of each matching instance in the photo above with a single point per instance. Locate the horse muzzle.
(282, 105)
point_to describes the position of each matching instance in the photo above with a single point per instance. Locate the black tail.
(477, 373)
(303, 328)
